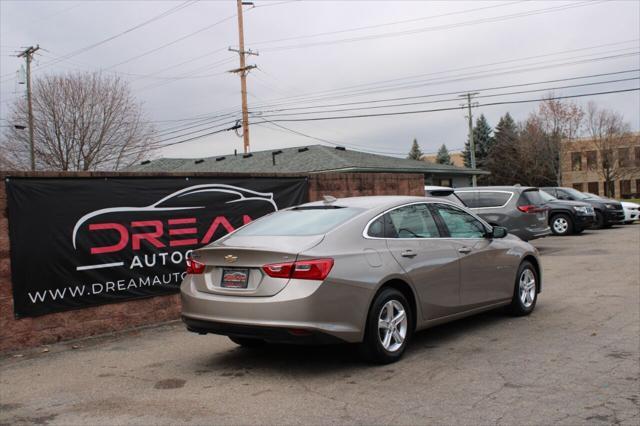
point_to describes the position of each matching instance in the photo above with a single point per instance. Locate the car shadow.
(307, 361)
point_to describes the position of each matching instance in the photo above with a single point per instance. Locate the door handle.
(408, 253)
(464, 250)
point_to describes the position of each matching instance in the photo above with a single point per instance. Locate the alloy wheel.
(392, 325)
(527, 288)
(560, 225)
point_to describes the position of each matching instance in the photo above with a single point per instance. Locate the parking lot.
(574, 360)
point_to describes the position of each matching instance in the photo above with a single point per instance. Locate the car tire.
(247, 342)
(380, 344)
(599, 223)
(561, 224)
(525, 291)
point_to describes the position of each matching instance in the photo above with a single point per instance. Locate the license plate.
(235, 278)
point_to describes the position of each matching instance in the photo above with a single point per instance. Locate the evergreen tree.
(482, 140)
(443, 156)
(503, 157)
(416, 152)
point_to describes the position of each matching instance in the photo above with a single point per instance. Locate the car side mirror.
(499, 232)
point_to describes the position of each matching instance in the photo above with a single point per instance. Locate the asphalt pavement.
(575, 360)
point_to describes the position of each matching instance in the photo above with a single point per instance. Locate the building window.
(607, 158)
(637, 150)
(592, 187)
(576, 161)
(592, 160)
(577, 186)
(637, 187)
(624, 159)
(625, 188)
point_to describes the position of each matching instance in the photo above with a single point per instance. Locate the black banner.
(81, 242)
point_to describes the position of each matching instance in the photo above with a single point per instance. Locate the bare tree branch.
(82, 121)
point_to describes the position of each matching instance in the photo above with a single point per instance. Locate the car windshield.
(575, 193)
(546, 196)
(594, 196)
(299, 221)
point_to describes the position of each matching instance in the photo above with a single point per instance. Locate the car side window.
(460, 223)
(563, 195)
(413, 221)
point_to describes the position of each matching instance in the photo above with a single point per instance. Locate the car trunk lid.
(233, 265)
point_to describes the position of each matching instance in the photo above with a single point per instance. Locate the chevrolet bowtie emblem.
(230, 258)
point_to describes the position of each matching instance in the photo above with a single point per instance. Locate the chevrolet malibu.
(365, 270)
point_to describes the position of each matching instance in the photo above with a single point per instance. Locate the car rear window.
(532, 197)
(299, 221)
(483, 199)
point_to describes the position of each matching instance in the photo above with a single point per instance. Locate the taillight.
(194, 267)
(530, 208)
(316, 269)
(279, 270)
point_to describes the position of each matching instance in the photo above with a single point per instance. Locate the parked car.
(366, 270)
(520, 209)
(631, 211)
(608, 212)
(568, 217)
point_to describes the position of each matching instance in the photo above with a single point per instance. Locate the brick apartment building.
(582, 163)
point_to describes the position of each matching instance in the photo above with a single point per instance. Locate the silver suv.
(520, 209)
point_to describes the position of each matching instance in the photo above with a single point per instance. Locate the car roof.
(373, 201)
(497, 188)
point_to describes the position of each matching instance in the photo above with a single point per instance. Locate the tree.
(415, 153)
(535, 149)
(483, 141)
(560, 120)
(503, 156)
(608, 132)
(82, 121)
(443, 156)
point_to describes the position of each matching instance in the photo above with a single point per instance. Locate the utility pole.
(472, 145)
(28, 56)
(243, 71)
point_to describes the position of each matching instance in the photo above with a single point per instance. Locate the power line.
(385, 114)
(386, 24)
(544, 89)
(440, 81)
(349, 90)
(120, 34)
(330, 142)
(436, 28)
(171, 43)
(411, 112)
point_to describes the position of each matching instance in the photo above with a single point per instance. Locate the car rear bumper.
(325, 310)
(269, 334)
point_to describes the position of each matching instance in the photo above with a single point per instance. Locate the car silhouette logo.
(238, 195)
(230, 258)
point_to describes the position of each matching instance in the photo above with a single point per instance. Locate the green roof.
(307, 159)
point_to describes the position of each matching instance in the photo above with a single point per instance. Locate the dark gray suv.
(520, 209)
(608, 212)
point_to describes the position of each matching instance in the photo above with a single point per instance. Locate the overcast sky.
(320, 52)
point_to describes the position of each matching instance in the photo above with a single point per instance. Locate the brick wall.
(26, 332)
